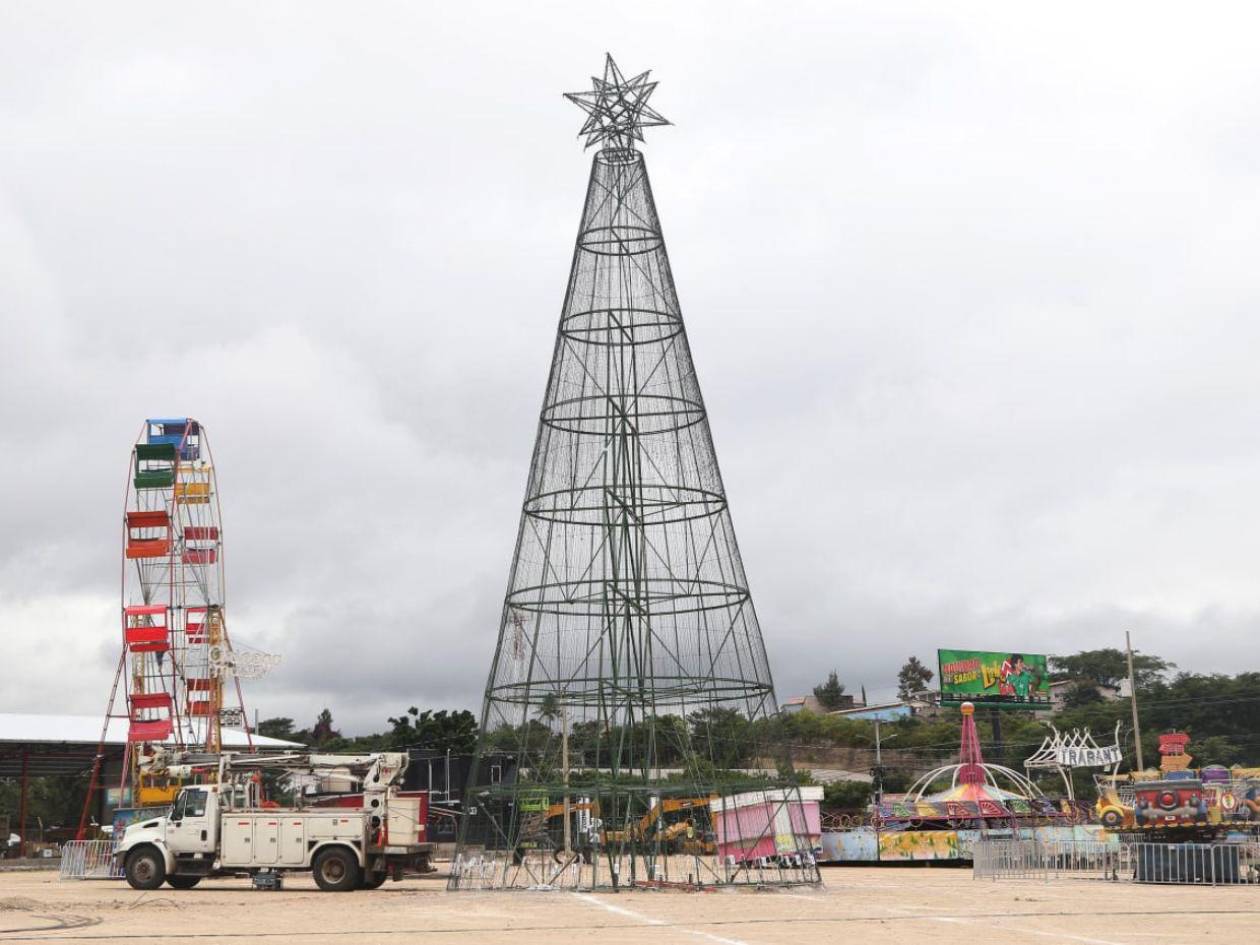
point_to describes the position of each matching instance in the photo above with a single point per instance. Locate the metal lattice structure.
(630, 689)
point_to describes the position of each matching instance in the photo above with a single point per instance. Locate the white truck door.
(266, 840)
(402, 820)
(238, 840)
(293, 842)
(193, 824)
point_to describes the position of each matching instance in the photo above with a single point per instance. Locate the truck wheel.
(145, 869)
(336, 870)
(372, 880)
(182, 882)
(1112, 819)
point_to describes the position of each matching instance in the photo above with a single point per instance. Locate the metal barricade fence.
(1208, 864)
(89, 859)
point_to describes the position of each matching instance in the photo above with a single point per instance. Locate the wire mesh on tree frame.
(628, 730)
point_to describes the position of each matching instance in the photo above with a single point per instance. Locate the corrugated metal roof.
(86, 730)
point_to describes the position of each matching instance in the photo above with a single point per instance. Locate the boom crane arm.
(377, 771)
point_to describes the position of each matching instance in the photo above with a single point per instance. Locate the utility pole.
(879, 768)
(564, 764)
(1137, 731)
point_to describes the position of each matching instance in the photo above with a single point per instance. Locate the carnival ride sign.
(243, 664)
(1004, 679)
(1087, 756)
(1062, 751)
(1075, 749)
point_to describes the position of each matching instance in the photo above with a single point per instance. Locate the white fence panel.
(89, 859)
(1207, 864)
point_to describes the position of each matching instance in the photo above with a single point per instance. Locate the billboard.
(1005, 679)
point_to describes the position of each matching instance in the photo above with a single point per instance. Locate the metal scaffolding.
(630, 681)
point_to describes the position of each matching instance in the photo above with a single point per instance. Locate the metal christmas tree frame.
(628, 725)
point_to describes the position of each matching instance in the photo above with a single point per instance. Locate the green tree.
(897, 780)
(846, 795)
(549, 709)
(1082, 692)
(1108, 666)
(52, 802)
(1204, 706)
(277, 728)
(912, 677)
(727, 731)
(438, 731)
(322, 733)
(830, 695)
(1216, 750)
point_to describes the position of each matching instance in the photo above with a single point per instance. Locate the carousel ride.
(970, 793)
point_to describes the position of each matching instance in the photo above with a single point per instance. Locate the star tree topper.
(616, 108)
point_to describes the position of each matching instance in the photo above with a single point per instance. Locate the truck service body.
(223, 829)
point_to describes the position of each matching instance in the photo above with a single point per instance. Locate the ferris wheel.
(177, 659)
(172, 587)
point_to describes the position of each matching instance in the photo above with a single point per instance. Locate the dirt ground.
(936, 906)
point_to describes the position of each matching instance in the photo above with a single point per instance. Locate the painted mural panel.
(918, 845)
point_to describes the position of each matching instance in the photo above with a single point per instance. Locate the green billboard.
(1005, 679)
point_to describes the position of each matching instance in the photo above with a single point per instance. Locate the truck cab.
(179, 846)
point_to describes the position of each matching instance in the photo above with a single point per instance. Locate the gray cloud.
(970, 291)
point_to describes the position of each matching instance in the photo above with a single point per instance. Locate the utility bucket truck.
(225, 828)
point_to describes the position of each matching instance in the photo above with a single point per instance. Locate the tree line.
(1220, 712)
(443, 730)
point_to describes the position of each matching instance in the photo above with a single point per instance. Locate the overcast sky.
(972, 293)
